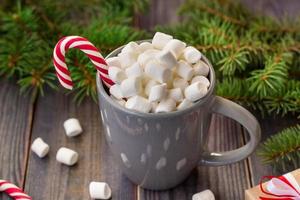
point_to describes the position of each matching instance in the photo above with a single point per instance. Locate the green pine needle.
(282, 150)
(272, 78)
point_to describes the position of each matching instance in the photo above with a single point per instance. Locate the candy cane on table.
(89, 49)
(13, 191)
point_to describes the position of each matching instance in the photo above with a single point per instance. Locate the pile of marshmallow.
(98, 190)
(163, 76)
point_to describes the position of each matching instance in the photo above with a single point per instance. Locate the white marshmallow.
(131, 86)
(99, 190)
(147, 56)
(201, 68)
(66, 156)
(145, 46)
(138, 103)
(160, 40)
(167, 59)
(201, 79)
(180, 83)
(116, 74)
(119, 101)
(149, 85)
(72, 127)
(131, 47)
(153, 106)
(158, 72)
(134, 71)
(184, 70)
(176, 94)
(166, 105)
(113, 61)
(184, 104)
(127, 58)
(158, 92)
(195, 91)
(116, 91)
(175, 46)
(191, 55)
(204, 195)
(40, 147)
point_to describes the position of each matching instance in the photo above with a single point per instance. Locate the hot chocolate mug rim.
(204, 99)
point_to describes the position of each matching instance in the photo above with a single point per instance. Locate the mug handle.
(245, 118)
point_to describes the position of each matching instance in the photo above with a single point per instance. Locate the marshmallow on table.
(158, 92)
(175, 46)
(191, 55)
(138, 103)
(145, 46)
(184, 70)
(113, 61)
(167, 59)
(195, 91)
(72, 127)
(127, 58)
(204, 195)
(40, 147)
(149, 85)
(131, 86)
(134, 71)
(99, 190)
(184, 104)
(176, 94)
(166, 105)
(160, 40)
(158, 72)
(66, 156)
(116, 91)
(147, 56)
(116, 74)
(180, 83)
(201, 79)
(201, 68)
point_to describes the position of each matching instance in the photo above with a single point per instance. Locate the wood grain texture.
(49, 180)
(227, 182)
(15, 121)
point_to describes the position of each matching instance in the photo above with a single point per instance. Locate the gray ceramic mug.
(158, 151)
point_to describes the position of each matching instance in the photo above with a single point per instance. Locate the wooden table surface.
(22, 120)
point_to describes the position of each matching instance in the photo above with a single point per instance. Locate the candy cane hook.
(89, 49)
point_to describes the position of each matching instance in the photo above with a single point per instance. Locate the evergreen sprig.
(282, 150)
(256, 59)
(30, 31)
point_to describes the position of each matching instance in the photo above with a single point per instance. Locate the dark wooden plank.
(16, 113)
(270, 125)
(227, 182)
(160, 13)
(48, 179)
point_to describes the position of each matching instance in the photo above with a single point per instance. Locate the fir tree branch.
(282, 150)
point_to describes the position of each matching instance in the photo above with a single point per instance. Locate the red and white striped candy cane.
(89, 49)
(13, 191)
